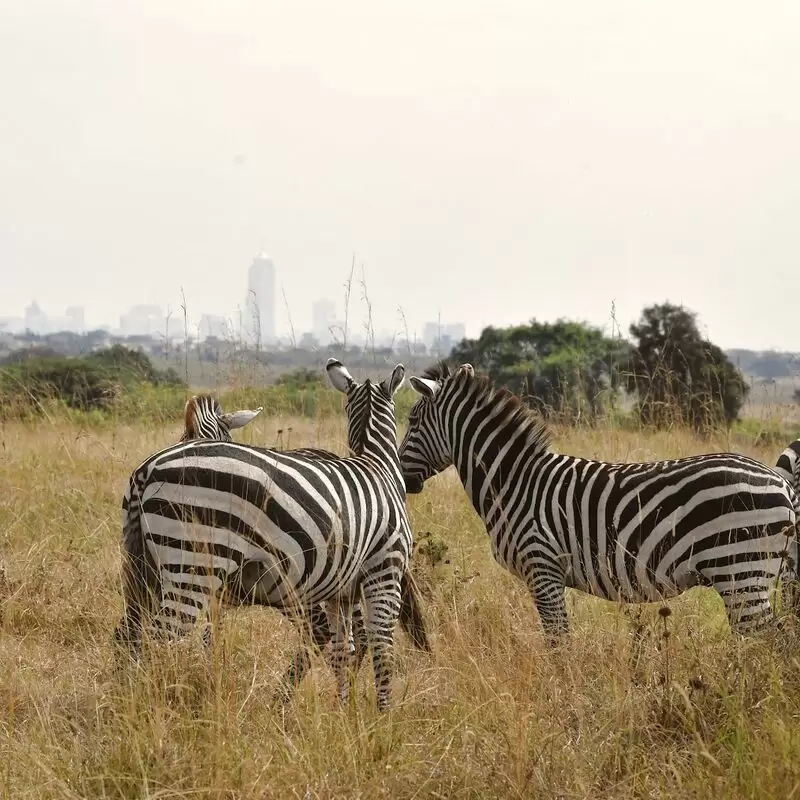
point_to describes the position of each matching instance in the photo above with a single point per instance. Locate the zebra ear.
(397, 378)
(425, 387)
(340, 378)
(238, 419)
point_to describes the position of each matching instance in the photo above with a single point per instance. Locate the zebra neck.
(381, 452)
(493, 459)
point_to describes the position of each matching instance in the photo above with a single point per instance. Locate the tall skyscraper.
(259, 306)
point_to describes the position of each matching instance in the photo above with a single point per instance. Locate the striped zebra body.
(204, 419)
(627, 532)
(290, 530)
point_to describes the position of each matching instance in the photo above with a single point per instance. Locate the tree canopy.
(678, 375)
(564, 366)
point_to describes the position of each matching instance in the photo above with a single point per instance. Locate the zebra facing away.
(204, 419)
(288, 530)
(627, 532)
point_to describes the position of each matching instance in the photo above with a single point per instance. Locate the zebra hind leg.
(381, 609)
(411, 620)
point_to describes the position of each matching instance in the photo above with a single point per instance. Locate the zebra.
(788, 466)
(211, 519)
(204, 419)
(634, 533)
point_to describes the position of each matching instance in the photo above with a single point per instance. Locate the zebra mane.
(358, 435)
(190, 412)
(483, 391)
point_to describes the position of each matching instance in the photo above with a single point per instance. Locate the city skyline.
(253, 323)
(535, 160)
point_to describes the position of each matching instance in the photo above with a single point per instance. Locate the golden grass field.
(699, 713)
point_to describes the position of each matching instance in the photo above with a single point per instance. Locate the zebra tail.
(140, 579)
(411, 618)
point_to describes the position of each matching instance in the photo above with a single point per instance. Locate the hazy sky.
(491, 161)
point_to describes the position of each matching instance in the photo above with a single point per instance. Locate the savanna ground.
(692, 711)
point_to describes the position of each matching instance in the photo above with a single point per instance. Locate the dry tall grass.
(697, 713)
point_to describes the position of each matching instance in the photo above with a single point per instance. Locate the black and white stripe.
(204, 419)
(629, 532)
(288, 530)
(788, 466)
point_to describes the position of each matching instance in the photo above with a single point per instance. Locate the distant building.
(259, 307)
(323, 318)
(76, 318)
(457, 332)
(12, 325)
(143, 320)
(441, 339)
(35, 319)
(212, 325)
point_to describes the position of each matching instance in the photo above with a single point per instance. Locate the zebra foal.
(627, 532)
(289, 530)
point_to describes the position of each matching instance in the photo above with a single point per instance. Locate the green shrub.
(94, 382)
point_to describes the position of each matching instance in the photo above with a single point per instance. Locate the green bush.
(94, 382)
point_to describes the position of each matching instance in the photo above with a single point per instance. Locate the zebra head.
(203, 419)
(371, 424)
(426, 449)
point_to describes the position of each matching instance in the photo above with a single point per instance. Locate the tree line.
(673, 373)
(666, 370)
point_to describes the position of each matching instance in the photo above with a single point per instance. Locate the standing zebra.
(788, 465)
(629, 532)
(203, 419)
(283, 529)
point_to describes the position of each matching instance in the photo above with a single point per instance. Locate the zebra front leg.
(381, 608)
(547, 590)
(544, 567)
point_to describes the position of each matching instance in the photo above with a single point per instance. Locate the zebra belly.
(602, 580)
